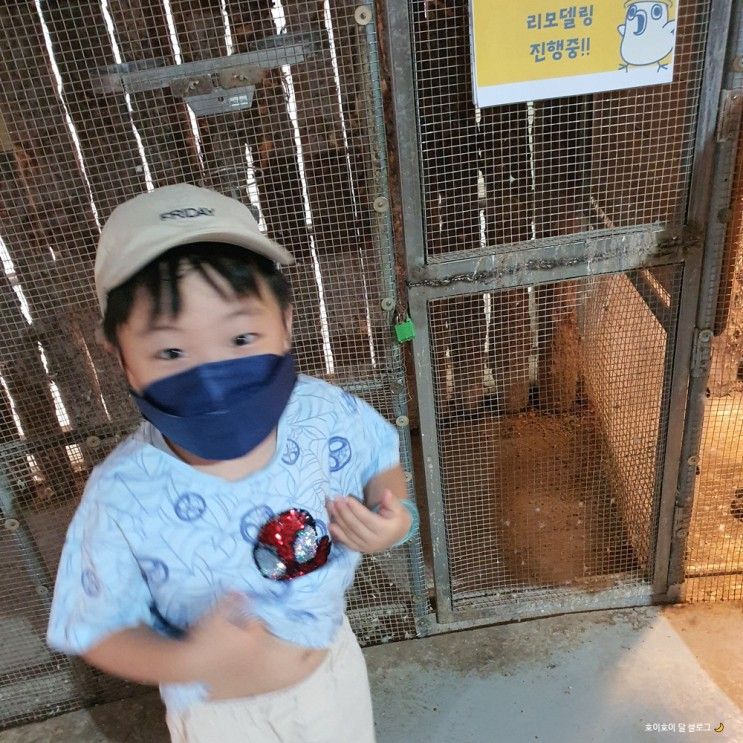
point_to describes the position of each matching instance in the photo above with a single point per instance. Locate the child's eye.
(169, 354)
(245, 339)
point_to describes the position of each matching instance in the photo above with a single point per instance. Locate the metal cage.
(557, 258)
(560, 260)
(278, 104)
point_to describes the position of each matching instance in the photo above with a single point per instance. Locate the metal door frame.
(623, 250)
(714, 163)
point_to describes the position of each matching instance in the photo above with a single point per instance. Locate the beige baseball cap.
(141, 229)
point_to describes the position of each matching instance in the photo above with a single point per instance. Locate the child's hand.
(222, 643)
(236, 656)
(363, 530)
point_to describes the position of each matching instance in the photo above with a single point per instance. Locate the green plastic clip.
(405, 331)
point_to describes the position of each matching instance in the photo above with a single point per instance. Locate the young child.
(212, 549)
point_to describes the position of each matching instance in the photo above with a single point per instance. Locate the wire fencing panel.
(552, 485)
(92, 114)
(503, 175)
(626, 357)
(551, 399)
(714, 551)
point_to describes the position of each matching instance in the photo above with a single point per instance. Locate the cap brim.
(256, 242)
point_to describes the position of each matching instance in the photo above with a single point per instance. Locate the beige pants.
(332, 705)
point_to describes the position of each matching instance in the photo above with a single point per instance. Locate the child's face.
(209, 328)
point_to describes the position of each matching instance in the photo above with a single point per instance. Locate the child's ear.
(288, 322)
(109, 347)
(103, 342)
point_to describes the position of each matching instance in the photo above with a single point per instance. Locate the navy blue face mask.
(221, 410)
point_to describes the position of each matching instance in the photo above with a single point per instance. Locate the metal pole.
(402, 73)
(431, 463)
(34, 562)
(389, 284)
(714, 159)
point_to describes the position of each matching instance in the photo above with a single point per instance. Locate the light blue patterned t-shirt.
(155, 541)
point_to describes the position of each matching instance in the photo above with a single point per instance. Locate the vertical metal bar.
(421, 608)
(387, 273)
(709, 196)
(389, 283)
(402, 74)
(34, 562)
(431, 463)
(717, 60)
(679, 345)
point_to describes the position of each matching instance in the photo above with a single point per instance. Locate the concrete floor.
(600, 676)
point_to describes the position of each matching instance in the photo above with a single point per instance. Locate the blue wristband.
(415, 521)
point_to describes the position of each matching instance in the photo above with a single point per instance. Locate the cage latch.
(728, 119)
(702, 352)
(205, 97)
(209, 86)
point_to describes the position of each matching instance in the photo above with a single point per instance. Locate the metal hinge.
(210, 86)
(701, 352)
(729, 115)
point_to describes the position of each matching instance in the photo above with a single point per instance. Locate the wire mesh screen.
(550, 409)
(714, 554)
(276, 109)
(507, 174)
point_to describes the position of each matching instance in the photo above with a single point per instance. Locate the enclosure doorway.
(553, 273)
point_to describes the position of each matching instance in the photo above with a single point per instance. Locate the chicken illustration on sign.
(648, 37)
(538, 49)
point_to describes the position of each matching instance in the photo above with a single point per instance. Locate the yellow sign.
(525, 51)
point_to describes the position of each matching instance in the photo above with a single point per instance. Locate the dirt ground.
(705, 628)
(529, 503)
(716, 532)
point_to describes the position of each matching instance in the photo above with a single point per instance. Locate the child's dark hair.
(161, 280)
